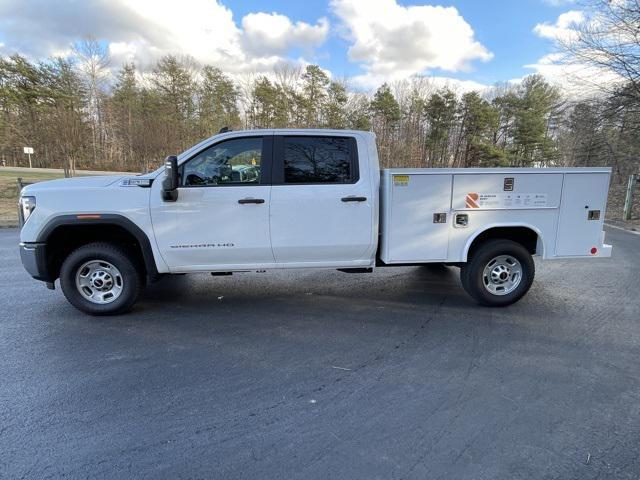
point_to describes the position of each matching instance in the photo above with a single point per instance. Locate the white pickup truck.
(273, 199)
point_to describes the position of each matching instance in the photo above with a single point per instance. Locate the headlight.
(26, 206)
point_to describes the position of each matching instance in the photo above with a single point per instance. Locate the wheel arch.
(64, 233)
(525, 234)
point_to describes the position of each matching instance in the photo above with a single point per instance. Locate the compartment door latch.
(461, 220)
(439, 218)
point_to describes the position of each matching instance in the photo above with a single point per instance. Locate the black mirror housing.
(171, 179)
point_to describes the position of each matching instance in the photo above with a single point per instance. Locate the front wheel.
(499, 273)
(100, 279)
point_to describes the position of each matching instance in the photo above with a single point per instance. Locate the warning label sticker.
(505, 200)
(401, 180)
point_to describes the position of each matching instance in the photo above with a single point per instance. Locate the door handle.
(354, 199)
(251, 200)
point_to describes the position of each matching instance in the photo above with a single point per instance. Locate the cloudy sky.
(472, 42)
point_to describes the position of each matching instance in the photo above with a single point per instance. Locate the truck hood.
(75, 182)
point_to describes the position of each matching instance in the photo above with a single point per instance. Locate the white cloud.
(370, 82)
(392, 42)
(145, 30)
(564, 27)
(272, 32)
(559, 3)
(459, 86)
(576, 80)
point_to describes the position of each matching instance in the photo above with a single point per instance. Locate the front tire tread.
(133, 278)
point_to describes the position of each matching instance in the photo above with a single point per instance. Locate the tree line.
(76, 116)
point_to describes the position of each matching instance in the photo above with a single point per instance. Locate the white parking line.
(621, 228)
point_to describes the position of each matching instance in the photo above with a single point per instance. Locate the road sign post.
(29, 152)
(628, 201)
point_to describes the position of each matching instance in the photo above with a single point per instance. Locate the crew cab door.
(221, 217)
(321, 202)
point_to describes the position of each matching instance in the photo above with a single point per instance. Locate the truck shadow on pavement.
(416, 285)
(385, 293)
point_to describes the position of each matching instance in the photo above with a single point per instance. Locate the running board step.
(356, 270)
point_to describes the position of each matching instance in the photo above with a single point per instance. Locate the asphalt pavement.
(395, 374)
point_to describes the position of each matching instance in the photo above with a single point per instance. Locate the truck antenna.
(224, 130)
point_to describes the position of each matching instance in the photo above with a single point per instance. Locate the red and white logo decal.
(472, 200)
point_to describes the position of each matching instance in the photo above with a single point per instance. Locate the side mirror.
(170, 181)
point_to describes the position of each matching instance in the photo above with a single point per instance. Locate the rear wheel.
(499, 273)
(100, 279)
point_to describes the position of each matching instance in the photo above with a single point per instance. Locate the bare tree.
(94, 64)
(607, 41)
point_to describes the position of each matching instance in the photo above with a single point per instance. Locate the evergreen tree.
(335, 115)
(358, 111)
(314, 89)
(440, 113)
(479, 124)
(174, 85)
(124, 108)
(67, 95)
(385, 118)
(268, 105)
(217, 102)
(535, 113)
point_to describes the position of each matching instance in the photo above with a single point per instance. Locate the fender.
(105, 219)
(471, 239)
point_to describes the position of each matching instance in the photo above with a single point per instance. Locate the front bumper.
(34, 260)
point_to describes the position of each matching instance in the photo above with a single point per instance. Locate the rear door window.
(323, 160)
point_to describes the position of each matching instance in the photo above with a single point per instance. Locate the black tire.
(473, 278)
(131, 278)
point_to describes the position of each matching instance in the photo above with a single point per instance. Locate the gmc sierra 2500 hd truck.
(273, 199)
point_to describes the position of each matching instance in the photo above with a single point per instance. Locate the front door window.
(235, 161)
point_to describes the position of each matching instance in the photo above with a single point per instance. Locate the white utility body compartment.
(433, 215)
